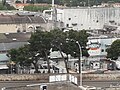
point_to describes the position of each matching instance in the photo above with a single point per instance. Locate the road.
(89, 83)
(101, 83)
(16, 83)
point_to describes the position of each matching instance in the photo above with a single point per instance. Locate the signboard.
(70, 78)
(73, 79)
(58, 78)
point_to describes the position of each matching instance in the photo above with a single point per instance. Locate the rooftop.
(16, 19)
(14, 37)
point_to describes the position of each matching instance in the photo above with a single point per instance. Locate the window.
(69, 18)
(97, 21)
(102, 50)
(74, 24)
(96, 64)
(24, 30)
(67, 25)
(18, 30)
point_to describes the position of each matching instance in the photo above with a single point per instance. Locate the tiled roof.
(15, 19)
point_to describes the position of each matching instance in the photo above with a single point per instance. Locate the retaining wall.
(45, 77)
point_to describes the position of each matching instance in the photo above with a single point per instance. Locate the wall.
(45, 77)
(88, 18)
(7, 28)
(13, 28)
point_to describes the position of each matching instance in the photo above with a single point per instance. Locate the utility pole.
(80, 62)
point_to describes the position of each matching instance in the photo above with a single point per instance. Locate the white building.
(97, 49)
(80, 18)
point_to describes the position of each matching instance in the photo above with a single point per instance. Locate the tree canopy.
(75, 2)
(114, 51)
(36, 8)
(41, 43)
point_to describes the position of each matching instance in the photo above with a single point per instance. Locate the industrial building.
(87, 18)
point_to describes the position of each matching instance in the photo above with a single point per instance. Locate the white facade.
(97, 47)
(88, 18)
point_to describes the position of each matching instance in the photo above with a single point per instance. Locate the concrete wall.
(45, 77)
(8, 28)
(13, 28)
(88, 18)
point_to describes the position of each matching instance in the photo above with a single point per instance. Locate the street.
(89, 83)
(101, 83)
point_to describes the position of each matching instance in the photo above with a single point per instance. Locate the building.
(9, 41)
(22, 23)
(97, 50)
(87, 18)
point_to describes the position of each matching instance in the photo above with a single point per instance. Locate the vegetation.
(36, 8)
(5, 6)
(114, 50)
(74, 2)
(2, 7)
(41, 42)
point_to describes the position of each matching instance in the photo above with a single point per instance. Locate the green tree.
(72, 45)
(36, 8)
(40, 42)
(59, 38)
(4, 2)
(70, 3)
(2, 7)
(66, 42)
(13, 55)
(81, 37)
(114, 51)
(9, 7)
(19, 55)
